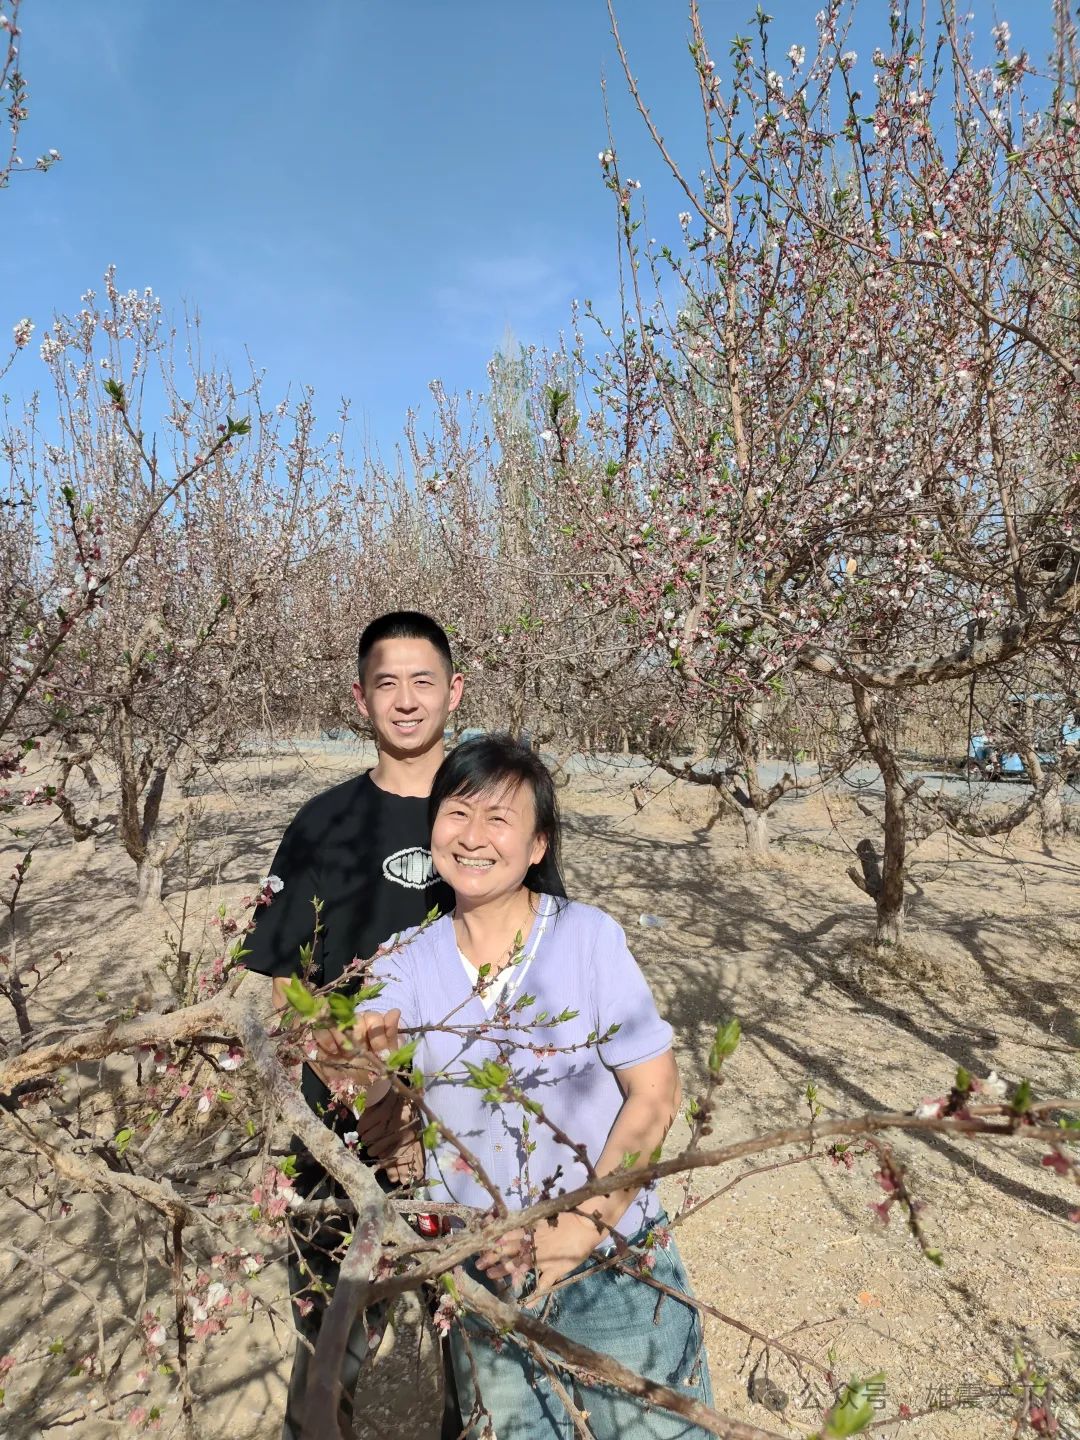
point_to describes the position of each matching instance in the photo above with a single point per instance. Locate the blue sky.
(363, 195)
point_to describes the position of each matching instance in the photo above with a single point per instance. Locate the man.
(361, 849)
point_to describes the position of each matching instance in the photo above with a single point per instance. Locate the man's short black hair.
(403, 625)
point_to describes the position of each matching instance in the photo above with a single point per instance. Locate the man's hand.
(390, 1134)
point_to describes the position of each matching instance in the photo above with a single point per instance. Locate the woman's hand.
(562, 1247)
(510, 1258)
(551, 1250)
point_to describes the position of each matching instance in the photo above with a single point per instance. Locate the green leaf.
(429, 1136)
(491, 1077)
(963, 1080)
(400, 1058)
(237, 427)
(724, 1045)
(288, 1167)
(115, 392)
(123, 1140)
(1021, 1101)
(855, 1408)
(342, 1010)
(629, 1160)
(300, 998)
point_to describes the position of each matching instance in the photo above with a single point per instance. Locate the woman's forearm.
(639, 1129)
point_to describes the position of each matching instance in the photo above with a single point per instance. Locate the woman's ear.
(539, 850)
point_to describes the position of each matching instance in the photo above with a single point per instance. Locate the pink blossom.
(1057, 1162)
(444, 1314)
(886, 1180)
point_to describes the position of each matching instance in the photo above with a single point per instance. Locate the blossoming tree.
(841, 417)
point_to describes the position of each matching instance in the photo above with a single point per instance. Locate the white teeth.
(474, 864)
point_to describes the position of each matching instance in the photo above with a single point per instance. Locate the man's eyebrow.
(413, 675)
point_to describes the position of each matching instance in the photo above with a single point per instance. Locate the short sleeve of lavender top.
(576, 965)
(622, 997)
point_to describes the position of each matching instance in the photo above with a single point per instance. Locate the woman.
(546, 991)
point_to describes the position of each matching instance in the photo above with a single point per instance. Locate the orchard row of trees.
(817, 484)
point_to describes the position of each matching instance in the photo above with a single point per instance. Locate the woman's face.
(483, 845)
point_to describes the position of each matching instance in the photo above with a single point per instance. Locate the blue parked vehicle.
(986, 760)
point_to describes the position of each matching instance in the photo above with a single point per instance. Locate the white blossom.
(993, 1086)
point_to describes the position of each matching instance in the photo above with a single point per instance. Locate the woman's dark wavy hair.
(480, 766)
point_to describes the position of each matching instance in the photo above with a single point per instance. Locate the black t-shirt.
(365, 854)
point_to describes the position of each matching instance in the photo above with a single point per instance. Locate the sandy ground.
(989, 979)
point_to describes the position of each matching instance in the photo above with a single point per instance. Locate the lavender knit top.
(575, 959)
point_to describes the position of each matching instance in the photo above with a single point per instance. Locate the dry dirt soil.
(988, 980)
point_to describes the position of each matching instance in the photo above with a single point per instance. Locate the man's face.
(407, 694)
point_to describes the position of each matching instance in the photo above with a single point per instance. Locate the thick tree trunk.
(1050, 790)
(885, 883)
(150, 877)
(890, 928)
(755, 801)
(890, 899)
(756, 825)
(1051, 810)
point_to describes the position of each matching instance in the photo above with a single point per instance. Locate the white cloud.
(525, 291)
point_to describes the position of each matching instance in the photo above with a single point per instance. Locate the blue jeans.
(608, 1310)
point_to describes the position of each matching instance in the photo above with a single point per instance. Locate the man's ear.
(358, 696)
(457, 684)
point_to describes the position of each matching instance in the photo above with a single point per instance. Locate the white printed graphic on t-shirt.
(412, 868)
